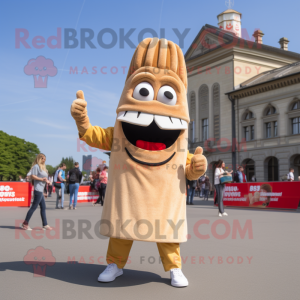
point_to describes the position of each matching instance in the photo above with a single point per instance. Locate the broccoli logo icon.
(39, 258)
(40, 68)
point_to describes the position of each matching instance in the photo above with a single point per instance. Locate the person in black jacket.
(191, 185)
(75, 177)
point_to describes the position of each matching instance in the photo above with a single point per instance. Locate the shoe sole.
(117, 275)
(28, 229)
(179, 286)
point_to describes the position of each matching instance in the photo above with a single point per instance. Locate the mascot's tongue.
(150, 145)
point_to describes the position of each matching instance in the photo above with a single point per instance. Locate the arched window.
(204, 111)
(192, 110)
(294, 116)
(270, 110)
(271, 169)
(295, 104)
(216, 109)
(270, 117)
(248, 115)
(295, 164)
(249, 167)
(248, 126)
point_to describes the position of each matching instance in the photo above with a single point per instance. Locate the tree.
(17, 156)
(69, 161)
(51, 170)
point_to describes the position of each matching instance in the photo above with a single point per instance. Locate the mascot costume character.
(149, 164)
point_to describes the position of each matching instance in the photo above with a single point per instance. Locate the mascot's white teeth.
(144, 119)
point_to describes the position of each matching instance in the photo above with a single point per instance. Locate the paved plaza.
(220, 260)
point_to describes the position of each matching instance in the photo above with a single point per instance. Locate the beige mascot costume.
(149, 164)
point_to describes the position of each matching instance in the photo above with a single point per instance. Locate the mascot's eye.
(167, 95)
(143, 91)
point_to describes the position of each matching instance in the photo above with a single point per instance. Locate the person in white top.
(290, 175)
(220, 187)
(50, 185)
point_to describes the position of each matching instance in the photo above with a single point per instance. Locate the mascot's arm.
(94, 136)
(196, 165)
(98, 137)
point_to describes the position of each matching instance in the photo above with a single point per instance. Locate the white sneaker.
(47, 227)
(220, 215)
(110, 273)
(25, 227)
(177, 278)
(225, 214)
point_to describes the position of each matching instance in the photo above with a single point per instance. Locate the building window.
(216, 110)
(270, 110)
(268, 130)
(249, 115)
(204, 129)
(275, 128)
(252, 132)
(217, 127)
(246, 133)
(272, 165)
(296, 125)
(192, 132)
(296, 105)
(249, 133)
(192, 116)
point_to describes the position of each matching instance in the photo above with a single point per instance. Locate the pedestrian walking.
(50, 185)
(39, 175)
(75, 177)
(191, 185)
(207, 187)
(290, 175)
(202, 185)
(101, 185)
(59, 183)
(94, 179)
(219, 172)
(239, 175)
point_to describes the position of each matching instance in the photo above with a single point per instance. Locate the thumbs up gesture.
(198, 165)
(79, 113)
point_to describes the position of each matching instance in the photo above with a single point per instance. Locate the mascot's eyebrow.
(145, 75)
(172, 80)
(147, 163)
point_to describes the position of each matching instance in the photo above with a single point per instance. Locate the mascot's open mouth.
(150, 132)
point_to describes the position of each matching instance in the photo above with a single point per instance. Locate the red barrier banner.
(284, 195)
(86, 194)
(15, 193)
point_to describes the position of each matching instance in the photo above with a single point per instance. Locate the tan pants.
(118, 252)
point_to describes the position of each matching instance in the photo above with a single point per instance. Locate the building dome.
(230, 20)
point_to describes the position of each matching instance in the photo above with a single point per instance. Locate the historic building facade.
(219, 63)
(268, 122)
